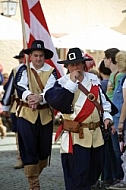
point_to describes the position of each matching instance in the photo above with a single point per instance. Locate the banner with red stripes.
(35, 28)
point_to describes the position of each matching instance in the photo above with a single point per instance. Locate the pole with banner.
(25, 41)
(35, 28)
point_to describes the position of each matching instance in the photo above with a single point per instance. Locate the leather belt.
(91, 97)
(39, 107)
(77, 127)
(17, 100)
(91, 125)
(14, 99)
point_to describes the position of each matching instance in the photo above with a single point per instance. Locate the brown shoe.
(3, 130)
(18, 165)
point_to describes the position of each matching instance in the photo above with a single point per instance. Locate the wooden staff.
(25, 43)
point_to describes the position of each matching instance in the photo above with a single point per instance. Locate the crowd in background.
(112, 74)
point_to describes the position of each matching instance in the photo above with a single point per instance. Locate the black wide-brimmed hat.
(75, 55)
(21, 55)
(39, 45)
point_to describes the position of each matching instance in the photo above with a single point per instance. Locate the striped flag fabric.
(35, 28)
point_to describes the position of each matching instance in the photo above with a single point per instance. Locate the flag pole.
(25, 42)
(23, 26)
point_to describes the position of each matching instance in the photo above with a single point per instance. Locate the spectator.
(104, 73)
(119, 99)
(5, 78)
(110, 63)
(113, 172)
(3, 125)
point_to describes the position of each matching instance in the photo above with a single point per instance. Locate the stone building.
(64, 17)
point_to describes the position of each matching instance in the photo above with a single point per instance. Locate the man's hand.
(76, 75)
(33, 100)
(120, 127)
(108, 123)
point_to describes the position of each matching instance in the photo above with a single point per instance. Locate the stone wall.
(8, 49)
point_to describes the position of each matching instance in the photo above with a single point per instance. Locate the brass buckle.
(91, 126)
(91, 97)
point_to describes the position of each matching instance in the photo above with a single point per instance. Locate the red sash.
(88, 106)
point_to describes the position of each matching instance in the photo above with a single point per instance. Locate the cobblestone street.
(11, 179)
(14, 179)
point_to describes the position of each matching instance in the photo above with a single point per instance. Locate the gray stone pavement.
(11, 179)
(14, 179)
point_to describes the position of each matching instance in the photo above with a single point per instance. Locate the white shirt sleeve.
(24, 84)
(124, 84)
(106, 106)
(68, 84)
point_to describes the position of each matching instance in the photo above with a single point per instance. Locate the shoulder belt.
(90, 96)
(38, 79)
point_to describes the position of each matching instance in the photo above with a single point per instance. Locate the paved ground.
(11, 179)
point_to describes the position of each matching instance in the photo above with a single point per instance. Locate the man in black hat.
(9, 103)
(35, 121)
(76, 96)
(20, 57)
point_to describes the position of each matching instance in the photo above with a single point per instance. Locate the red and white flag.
(35, 28)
